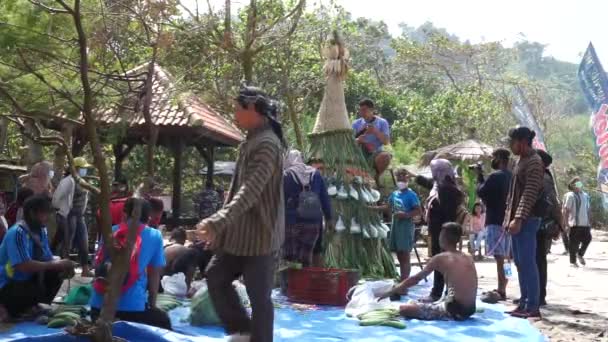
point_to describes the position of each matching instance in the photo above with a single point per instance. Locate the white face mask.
(51, 174)
(402, 185)
(82, 172)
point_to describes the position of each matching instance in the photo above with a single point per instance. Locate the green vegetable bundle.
(384, 317)
(66, 315)
(202, 311)
(167, 302)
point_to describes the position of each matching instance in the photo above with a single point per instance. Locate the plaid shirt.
(526, 186)
(252, 223)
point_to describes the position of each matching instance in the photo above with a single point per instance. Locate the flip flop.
(493, 297)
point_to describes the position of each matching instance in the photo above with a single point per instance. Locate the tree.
(56, 66)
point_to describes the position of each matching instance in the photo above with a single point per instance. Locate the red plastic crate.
(321, 286)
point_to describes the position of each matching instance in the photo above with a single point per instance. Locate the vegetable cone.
(346, 168)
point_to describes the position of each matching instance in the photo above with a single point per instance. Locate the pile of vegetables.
(359, 238)
(384, 317)
(202, 311)
(65, 315)
(167, 302)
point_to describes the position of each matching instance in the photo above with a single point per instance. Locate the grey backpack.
(309, 204)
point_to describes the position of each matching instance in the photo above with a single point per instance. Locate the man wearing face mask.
(577, 217)
(78, 233)
(405, 205)
(63, 198)
(493, 192)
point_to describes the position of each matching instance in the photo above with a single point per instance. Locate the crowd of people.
(278, 207)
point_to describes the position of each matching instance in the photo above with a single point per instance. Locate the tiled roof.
(173, 107)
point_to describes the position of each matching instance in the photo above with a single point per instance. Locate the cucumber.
(394, 324)
(61, 322)
(370, 322)
(67, 314)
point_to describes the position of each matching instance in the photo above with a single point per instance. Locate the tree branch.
(48, 8)
(69, 9)
(53, 141)
(65, 95)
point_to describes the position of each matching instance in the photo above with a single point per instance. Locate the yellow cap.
(81, 163)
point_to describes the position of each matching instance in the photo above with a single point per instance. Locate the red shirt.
(117, 206)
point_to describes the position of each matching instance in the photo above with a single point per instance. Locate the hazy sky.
(565, 26)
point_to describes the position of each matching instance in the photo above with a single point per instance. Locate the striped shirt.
(252, 223)
(526, 187)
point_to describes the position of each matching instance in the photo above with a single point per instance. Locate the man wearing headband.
(249, 231)
(576, 216)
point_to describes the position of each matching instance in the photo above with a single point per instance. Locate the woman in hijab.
(441, 207)
(307, 203)
(39, 179)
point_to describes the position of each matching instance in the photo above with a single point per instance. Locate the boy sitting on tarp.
(138, 293)
(29, 273)
(459, 271)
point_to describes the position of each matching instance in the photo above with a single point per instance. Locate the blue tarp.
(325, 324)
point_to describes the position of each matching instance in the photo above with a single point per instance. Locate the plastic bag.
(365, 297)
(79, 295)
(175, 285)
(202, 311)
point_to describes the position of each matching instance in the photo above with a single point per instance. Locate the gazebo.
(182, 119)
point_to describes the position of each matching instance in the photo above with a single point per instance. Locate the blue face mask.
(82, 172)
(579, 185)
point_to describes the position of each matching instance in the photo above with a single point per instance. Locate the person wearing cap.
(578, 219)
(493, 191)
(373, 133)
(63, 199)
(522, 219)
(247, 234)
(79, 234)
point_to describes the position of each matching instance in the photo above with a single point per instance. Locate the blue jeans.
(524, 254)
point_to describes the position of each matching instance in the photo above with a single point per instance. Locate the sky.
(565, 26)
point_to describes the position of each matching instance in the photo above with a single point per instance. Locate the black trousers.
(438, 281)
(580, 238)
(152, 316)
(565, 241)
(19, 296)
(543, 241)
(258, 275)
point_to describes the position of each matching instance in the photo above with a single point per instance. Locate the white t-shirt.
(577, 204)
(64, 195)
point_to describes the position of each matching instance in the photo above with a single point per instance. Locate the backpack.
(543, 205)
(308, 206)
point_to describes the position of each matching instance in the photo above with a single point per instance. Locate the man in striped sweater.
(523, 218)
(248, 232)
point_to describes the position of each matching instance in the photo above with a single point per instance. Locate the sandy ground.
(577, 299)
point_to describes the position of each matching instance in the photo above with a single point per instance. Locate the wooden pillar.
(210, 160)
(177, 149)
(121, 151)
(208, 153)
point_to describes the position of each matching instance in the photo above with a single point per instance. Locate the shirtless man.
(460, 274)
(185, 259)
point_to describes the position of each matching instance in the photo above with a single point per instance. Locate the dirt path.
(577, 299)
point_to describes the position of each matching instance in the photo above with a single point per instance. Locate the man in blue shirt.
(29, 273)
(138, 300)
(493, 192)
(372, 133)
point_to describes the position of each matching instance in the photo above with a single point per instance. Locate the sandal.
(493, 297)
